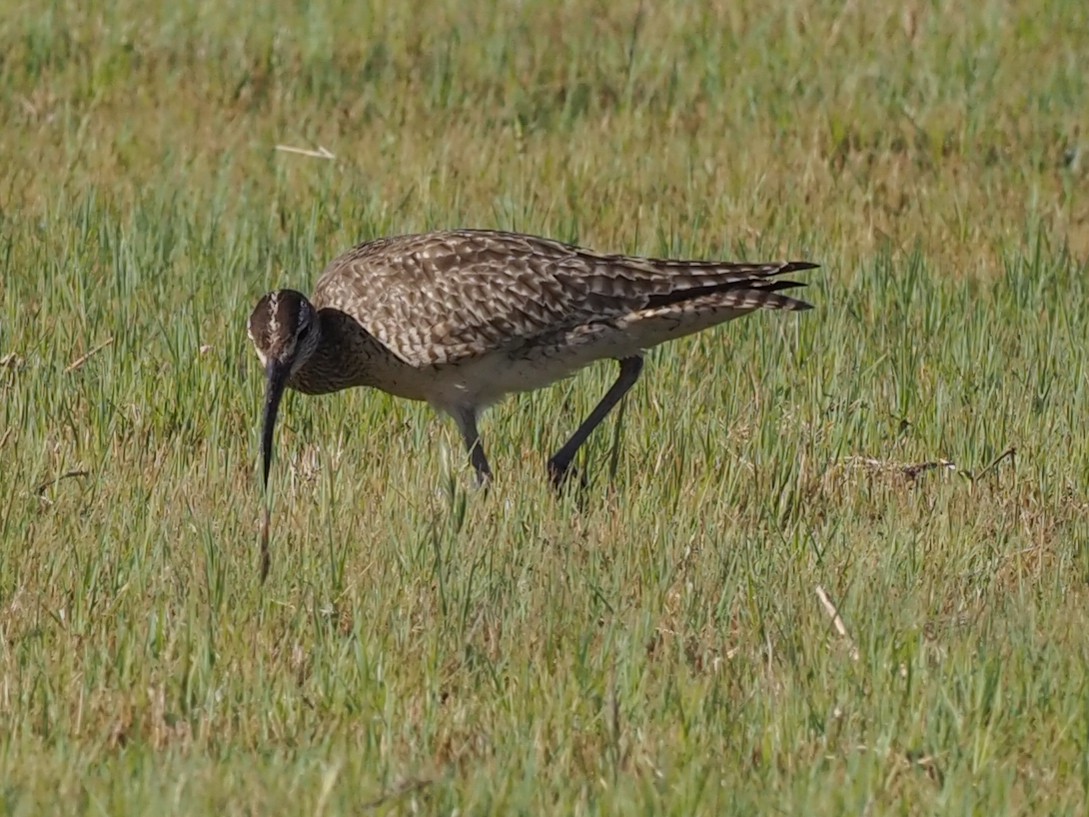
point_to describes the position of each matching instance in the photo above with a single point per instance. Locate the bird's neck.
(346, 356)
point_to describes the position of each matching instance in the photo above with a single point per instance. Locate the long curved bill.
(276, 374)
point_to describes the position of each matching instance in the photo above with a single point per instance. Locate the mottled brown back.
(441, 297)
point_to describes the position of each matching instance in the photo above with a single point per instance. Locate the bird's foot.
(561, 475)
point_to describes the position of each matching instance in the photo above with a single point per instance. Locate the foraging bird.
(461, 318)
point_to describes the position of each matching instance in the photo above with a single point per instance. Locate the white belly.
(483, 381)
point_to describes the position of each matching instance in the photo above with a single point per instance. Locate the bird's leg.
(465, 417)
(558, 465)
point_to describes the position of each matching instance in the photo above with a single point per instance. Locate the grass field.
(661, 646)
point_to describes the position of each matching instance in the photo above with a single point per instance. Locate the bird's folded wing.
(438, 298)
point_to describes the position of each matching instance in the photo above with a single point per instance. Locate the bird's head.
(284, 330)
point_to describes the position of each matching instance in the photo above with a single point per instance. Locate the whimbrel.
(461, 318)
